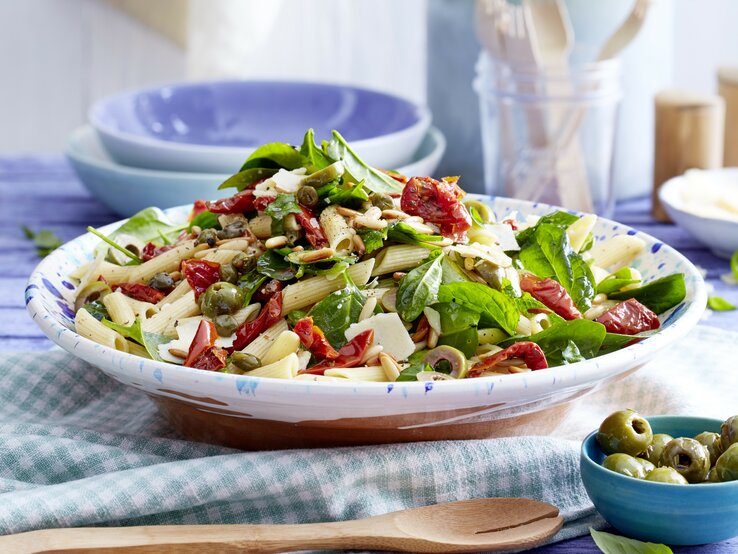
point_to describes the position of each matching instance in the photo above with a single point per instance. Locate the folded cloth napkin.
(79, 449)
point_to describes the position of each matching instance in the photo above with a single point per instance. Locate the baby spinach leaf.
(249, 284)
(616, 281)
(410, 373)
(349, 195)
(243, 179)
(404, 233)
(283, 205)
(418, 289)
(97, 309)
(45, 241)
(204, 220)
(373, 239)
(496, 308)
(150, 341)
(466, 341)
(135, 260)
(276, 155)
(148, 225)
(455, 317)
(559, 219)
(719, 304)
(357, 170)
(337, 311)
(452, 273)
(314, 157)
(616, 341)
(273, 265)
(615, 544)
(659, 295)
(296, 315)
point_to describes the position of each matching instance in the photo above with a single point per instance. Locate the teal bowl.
(662, 512)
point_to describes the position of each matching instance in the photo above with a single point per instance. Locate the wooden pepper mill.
(728, 89)
(689, 134)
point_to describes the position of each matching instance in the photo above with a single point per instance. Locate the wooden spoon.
(489, 524)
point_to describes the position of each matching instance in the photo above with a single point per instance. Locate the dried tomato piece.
(629, 318)
(266, 291)
(438, 202)
(238, 203)
(529, 352)
(261, 202)
(200, 274)
(203, 340)
(152, 251)
(550, 292)
(349, 355)
(268, 316)
(197, 208)
(137, 291)
(313, 338)
(213, 359)
(313, 231)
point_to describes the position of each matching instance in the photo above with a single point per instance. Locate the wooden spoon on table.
(488, 524)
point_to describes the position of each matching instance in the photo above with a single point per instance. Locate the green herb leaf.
(466, 341)
(616, 281)
(556, 341)
(282, 206)
(476, 218)
(273, 265)
(496, 308)
(350, 195)
(357, 170)
(560, 219)
(373, 239)
(337, 311)
(295, 315)
(45, 241)
(243, 179)
(314, 157)
(659, 295)
(719, 304)
(410, 373)
(135, 259)
(249, 284)
(452, 273)
(150, 341)
(204, 220)
(148, 225)
(419, 289)
(615, 544)
(97, 309)
(404, 233)
(455, 317)
(276, 155)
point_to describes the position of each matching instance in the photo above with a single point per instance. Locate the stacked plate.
(171, 145)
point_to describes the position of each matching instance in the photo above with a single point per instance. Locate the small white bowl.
(690, 202)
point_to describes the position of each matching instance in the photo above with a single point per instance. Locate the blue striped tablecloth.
(43, 192)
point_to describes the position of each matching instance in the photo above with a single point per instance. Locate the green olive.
(243, 262)
(624, 431)
(207, 236)
(225, 325)
(625, 465)
(382, 200)
(229, 274)
(690, 458)
(727, 464)
(244, 361)
(647, 466)
(656, 447)
(221, 298)
(308, 196)
(712, 442)
(729, 432)
(666, 475)
(161, 281)
(712, 477)
(232, 230)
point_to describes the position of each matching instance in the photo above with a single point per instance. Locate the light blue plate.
(662, 512)
(126, 190)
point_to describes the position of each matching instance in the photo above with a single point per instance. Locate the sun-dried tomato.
(313, 338)
(268, 316)
(261, 202)
(349, 355)
(152, 251)
(267, 290)
(203, 340)
(197, 208)
(552, 294)
(529, 352)
(238, 203)
(313, 231)
(629, 318)
(213, 359)
(138, 291)
(437, 202)
(200, 274)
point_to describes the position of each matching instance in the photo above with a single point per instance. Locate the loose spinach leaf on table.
(313, 156)
(419, 289)
(615, 544)
(616, 281)
(659, 295)
(243, 179)
(272, 264)
(282, 206)
(276, 155)
(45, 241)
(719, 304)
(150, 341)
(357, 170)
(496, 309)
(337, 311)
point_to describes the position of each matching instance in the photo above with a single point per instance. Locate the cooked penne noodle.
(261, 344)
(362, 373)
(309, 291)
(286, 343)
(163, 323)
(261, 226)
(182, 288)
(221, 255)
(311, 377)
(340, 236)
(579, 230)
(617, 252)
(163, 263)
(399, 258)
(247, 313)
(144, 310)
(286, 368)
(137, 350)
(89, 327)
(119, 309)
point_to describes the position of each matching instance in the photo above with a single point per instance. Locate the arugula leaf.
(559, 340)
(150, 341)
(274, 154)
(373, 239)
(410, 373)
(243, 179)
(495, 308)
(659, 295)
(45, 241)
(616, 281)
(466, 341)
(314, 157)
(349, 196)
(273, 265)
(404, 233)
(376, 181)
(719, 304)
(615, 544)
(337, 311)
(283, 205)
(249, 284)
(548, 254)
(204, 220)
(418, 289)
(135, 260)
(148, 225)
(97, 309)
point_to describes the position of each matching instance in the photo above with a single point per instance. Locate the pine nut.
(276, 242)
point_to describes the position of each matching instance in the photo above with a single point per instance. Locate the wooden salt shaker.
(689, 134)
(728, 89)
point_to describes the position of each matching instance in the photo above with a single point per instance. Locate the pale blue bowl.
(661, 512)
(213, 126)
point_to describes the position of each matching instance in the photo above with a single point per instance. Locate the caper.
(243, 262)
(382, 200)
(207, 236)
(161, 281)
(232, 230)
(225, 325)
(229, 274)
(307, 196)
(244, 361)
(221, 298)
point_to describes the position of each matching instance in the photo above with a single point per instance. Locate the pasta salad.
(321, 267)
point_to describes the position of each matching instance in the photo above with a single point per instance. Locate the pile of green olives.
(634, 450)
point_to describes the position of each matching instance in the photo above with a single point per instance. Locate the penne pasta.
(286, 368)
(340, 236)
(137, 350)
(119, 309)
(261, 226)
(286, 343)
(163, 263)
(261, 344)
(182, 288)
(89, 327)
(247, 313)
(617, 252)
(163, 322)
(144, 310)
(362, 373)
(579, 230)
(221, 255)
(399, 258)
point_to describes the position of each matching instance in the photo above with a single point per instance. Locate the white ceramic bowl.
(709, 226)
(213, 126)
(126, 190)
(256, 413)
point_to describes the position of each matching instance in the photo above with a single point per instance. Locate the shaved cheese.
(186, 330)
(287, 181)
(389, 333)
